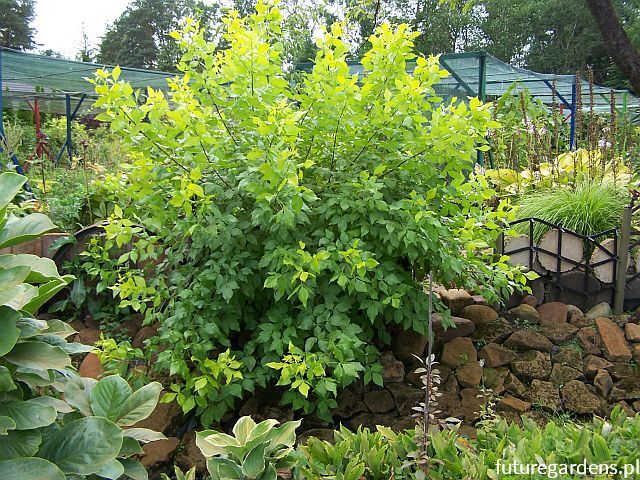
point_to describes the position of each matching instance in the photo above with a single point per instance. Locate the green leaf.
(139, 405)
(42, 269)
(223, 468)
(30, 469)
(9, 333)
(28, 415)
(46, 292)
(22, 229)
(242, 429)
(211, 444)
(19, 443)
(143, 435)
(77, 393)
(134, 470)
(38, 355)
(108, 396)
(254, 462)
(10, 185)
(13, 276)
(111, 470)
(284, 435)
(83, 446)
(6, 424)
(269, 474)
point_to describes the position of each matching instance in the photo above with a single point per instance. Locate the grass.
(588, 208)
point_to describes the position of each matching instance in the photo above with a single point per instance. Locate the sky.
(59, 23)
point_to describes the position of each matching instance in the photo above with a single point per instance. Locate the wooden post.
(623, 260)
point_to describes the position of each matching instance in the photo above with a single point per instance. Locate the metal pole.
(67, 105)
(572, 134)
(623, 259)
(482, 90)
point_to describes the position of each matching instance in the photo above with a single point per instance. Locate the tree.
(15, 24)
(616, 40)
(86, 52)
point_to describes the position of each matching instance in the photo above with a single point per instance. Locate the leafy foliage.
(16, 17)
(270, 213)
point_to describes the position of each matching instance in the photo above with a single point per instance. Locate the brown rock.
(145, 333)
(479, 300)
(576, 397)
(621, 320)
(164, 417)
(544, 395)
(636, 353)
(463, 328)
(567, 356)
(530, 300)
(636, 405)
(593, 364)
(632, 332)
(525, 313)
(532, 365)
(494, 332)
(407, 343)
(614, 345)
(190, 455)
(601, 310)
(561, 374)
(349, 402)
(459, 351)
(510, 403)
(472, 402)
(449, 405)
(512, 384)
(406, 397)
(90, 367)
(577, 318)
(392, 369)
(622, 370)
(589, 341)
(552, 313)
(324, 434)
(479, 314)
(625, 389)
(379, 401)
(160, 452)
(523, 340)
(469, 375)
(496, 355)
(626, 408)
(559, 333)
(451, 385)
(456, 299)
(603, 383)
(88, 336)
(370, 420)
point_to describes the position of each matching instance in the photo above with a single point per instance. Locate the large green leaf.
(83, 446)
(19, 443)
(139, 405)
(284, 435)
(28, 414)
(134, 470)
(42, 269)
(144, 435)
(111, 470)
(30, 327)
(13, 276)
(6, 424)
(254, 463)
(38, 355)
(108, 396)
(46, 292)
(18, 296)
(22, 229)
(10, 185)
(29, 469)
(9, 333)
(6, 382)
(220, 467)
(77, 393)
(242, 429)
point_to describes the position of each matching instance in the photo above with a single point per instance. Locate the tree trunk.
(616, 40)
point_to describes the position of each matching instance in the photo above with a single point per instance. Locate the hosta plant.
(255, 451)
(271, 213)
(45, 435)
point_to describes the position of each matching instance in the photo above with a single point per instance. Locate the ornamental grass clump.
(285, 226)
(588, 208)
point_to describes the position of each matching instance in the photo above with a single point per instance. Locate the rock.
(451, 385)
(559, 333)
(406, 397)
(479, 314)
(90, 367)
(471, 404)
(625, 389)
(467, 431)
(132, 324)
(552, 313)
(456, 299)
(370, 420)
(459, 351)
(463, 328)
(576, 397)
(88, 336)
(350, 401)
(567, 356)
(379, 401)
(416, 380)
(324, 434)
(190, 455)
(561, 374)
(479, 300)
(603, 383)
(589, 341)
(636, 405)
(614, 345)
(626, 408)
(525, 313)
(601, 310)
(164, 418)
(544, 395)
(496, 355)
(403, 424)
(592, 364)
(469, 374)
(632, 332)
(494, 379)
(621, 320)
(576, 317)
(160, 452)
(497, 332)
(392, 369)
(636, 353)
(144, 334)
(523, 340)
(530, 300)
(510, 403)
(532, 365)
(622, 370)
(512, 384)
(449, 405)
(407, 343)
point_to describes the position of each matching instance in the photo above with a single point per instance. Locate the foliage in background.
(16, 17)
(304, 215)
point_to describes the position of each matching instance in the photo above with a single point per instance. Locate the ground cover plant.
(285, 226)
